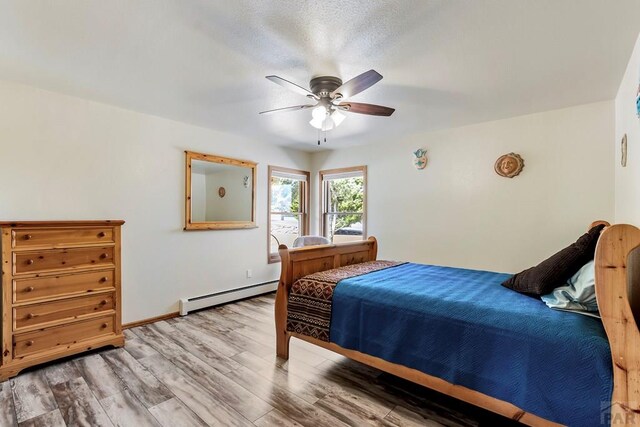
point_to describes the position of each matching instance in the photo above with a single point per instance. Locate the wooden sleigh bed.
(617, 273)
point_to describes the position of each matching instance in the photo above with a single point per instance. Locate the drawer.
(61, 259)
(25, 290)
(58, 337)
(60, 237)
(67, 309)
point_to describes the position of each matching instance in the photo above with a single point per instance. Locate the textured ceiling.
(445, 62)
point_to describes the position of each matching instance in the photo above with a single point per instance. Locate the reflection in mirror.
(220, 192)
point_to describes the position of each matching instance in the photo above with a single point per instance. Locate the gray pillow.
(578, 294)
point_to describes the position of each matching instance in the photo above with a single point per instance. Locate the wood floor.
(218, 368)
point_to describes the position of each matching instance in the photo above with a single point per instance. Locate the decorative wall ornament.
(623, 151)
(245, 181)
(638, 100)
(221, 192)
(420, 161)
(509, 165)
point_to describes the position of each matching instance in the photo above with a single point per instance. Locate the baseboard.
(150, 320)
(204, 301)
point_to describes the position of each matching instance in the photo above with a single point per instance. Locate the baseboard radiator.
(204, 301)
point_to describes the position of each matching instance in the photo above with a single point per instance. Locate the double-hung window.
(288, 208)
(343, 202)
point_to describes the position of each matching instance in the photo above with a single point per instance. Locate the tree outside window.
(344, 204)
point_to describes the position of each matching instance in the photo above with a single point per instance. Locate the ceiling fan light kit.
(324, 119)
(331, 95)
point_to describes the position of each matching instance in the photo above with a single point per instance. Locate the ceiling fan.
(332, 98)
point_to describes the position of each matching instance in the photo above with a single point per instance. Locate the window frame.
(304, 205)
(323, 200)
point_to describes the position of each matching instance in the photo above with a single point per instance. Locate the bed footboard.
(300, 262)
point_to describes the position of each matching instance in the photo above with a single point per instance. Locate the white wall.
(458, 212)
(68, 158)
(627, 181)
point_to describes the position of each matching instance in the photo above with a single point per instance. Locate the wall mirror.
(220, 192)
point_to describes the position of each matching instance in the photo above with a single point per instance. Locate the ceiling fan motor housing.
(324, 85)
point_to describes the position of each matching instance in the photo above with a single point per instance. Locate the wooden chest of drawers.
(60, 290)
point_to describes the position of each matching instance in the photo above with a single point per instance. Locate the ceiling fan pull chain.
(318, 136)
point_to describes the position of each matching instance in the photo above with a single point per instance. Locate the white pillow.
(578, 295)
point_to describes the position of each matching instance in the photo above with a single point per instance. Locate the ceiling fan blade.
(371, 109)
(292, 86)
(358, 84)
(281, 110)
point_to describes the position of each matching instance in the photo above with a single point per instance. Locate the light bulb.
(319, 112)
(337, 117)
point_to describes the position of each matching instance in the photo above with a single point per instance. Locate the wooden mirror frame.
(217, 225)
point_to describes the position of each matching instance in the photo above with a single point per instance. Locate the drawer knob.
(103, 279)
(102, 234)
(103, 302)
(104, 325)
(30, 316)
(27, 237)
(104, 256)
(29, 261)
(29, 343)
(29, 289)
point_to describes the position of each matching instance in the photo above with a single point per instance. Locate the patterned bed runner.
(311, 297)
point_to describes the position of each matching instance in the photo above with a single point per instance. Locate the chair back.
(310, 241)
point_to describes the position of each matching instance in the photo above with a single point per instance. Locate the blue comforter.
(462, 326)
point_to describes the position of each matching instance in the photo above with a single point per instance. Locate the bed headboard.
(617, 263)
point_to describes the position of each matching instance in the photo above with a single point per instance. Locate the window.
(343, 202)
(288, 208)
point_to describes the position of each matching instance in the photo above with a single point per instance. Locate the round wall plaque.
(509, 165)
